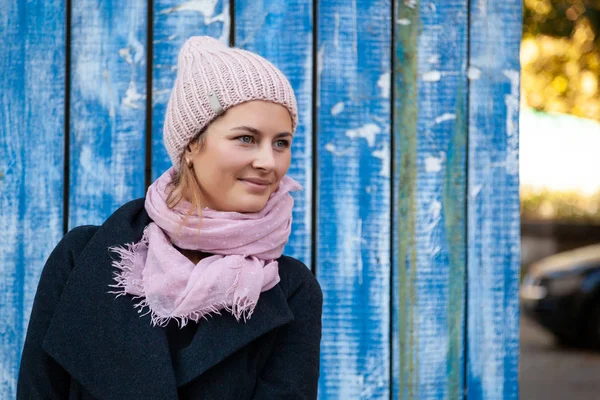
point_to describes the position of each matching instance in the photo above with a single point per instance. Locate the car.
(562, 293)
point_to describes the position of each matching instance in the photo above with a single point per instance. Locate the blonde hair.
(185, 181)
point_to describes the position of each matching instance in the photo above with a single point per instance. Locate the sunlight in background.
(559, 152)
(560, 111)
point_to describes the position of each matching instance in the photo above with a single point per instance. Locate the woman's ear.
(193, 147)
(188, 154)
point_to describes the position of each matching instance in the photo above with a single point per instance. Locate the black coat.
(84, 343)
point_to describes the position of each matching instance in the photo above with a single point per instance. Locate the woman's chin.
(251, 205)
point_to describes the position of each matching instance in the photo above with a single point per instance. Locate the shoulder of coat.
(295, 275)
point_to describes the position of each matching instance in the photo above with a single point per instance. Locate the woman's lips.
(256, 185)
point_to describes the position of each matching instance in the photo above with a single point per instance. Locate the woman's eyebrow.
(258, 132)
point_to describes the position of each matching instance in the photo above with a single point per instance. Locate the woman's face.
(243, 157)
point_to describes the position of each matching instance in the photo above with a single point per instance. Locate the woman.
(185, 293)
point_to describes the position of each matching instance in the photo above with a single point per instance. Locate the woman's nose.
(265, 159)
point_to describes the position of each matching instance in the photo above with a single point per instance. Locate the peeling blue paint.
(397, 311)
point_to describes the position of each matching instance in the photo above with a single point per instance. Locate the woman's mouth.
(256, 185)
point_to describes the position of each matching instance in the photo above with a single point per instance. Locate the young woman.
(185, 294)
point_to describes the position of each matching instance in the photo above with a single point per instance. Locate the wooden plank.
(353, 185)
(174, 21)
(493, 201)
(282, 33)
(32, 61)
(108, 107)
(404, 271)
(430, 92)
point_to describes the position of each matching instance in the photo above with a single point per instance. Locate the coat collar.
(114, 352)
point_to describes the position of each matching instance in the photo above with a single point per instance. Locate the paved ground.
(548, 372)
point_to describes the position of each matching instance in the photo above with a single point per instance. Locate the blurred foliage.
(560, 60)
(576, 207)
(560, 56)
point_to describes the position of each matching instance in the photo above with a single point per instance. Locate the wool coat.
(85, 343)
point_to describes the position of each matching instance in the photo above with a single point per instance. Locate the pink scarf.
(245, 248)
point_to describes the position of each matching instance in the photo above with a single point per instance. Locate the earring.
(188, 162)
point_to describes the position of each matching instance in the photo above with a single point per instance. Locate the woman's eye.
(246, 139)
(282, 143)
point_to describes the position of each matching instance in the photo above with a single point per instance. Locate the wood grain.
(353, 197)
(493, 201)
(32, 87)
(108, 107)
(430, 90)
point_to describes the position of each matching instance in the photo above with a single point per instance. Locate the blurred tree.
(560, 60)
(558, 17)
(564, 206)
(560, 56)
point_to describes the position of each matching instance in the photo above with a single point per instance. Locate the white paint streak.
(205, 7)
(482, 5)
(383, 121)
(91, 166)
(433, 330)
(133, 55)
(167, 39)
(320, 66)
(433, 219)
(330, 147)
(346, 213)
(367, 131)
(476, 190)
(403, 21)
(358, 253)
(432, 7)
(306, 161)
(410, 3)
(138, 50)
(444, 117)
(474, 73)
(160, 96)
(384, 155)
(338, 108)
(435, 215)
(434, 59)
(224, 18)
(320, 58)
(512, 123)
(384, 83)
(132, 97)
(125, 54)
(111, 105)
(336, 30)
(257, 26)
(374, 370)
(432, 76)
(434, 164)
(161, 92)
(354, 30)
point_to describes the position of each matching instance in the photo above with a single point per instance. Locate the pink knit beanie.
(211, 78)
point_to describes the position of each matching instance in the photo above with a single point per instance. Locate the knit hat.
(212, 77)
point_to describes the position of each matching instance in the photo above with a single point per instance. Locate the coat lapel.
(113, 351)
(219, 337)
(101, 340)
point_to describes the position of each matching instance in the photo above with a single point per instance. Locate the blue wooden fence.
(407, 149)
